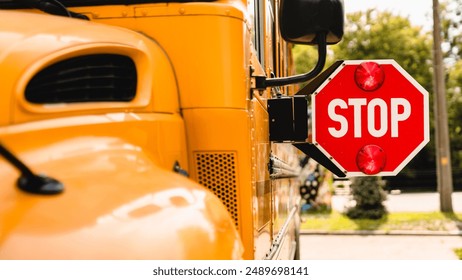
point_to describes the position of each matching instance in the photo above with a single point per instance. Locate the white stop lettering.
(397, 115)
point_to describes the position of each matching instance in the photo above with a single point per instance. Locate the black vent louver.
(90, 78)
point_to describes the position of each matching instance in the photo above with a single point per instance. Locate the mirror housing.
(301, 20)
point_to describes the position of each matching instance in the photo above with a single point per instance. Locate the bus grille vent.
(88, 78)
(217, 172)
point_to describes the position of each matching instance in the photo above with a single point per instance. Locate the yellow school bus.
(140, 129)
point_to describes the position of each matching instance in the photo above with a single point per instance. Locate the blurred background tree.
(451, 14)
(368, 196)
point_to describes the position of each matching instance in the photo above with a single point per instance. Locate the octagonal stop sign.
(370, 117)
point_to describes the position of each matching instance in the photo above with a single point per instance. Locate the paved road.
(378, 247)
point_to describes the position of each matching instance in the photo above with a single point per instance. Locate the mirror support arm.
(29, 181)
(263, 82)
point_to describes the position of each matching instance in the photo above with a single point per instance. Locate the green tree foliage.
(451, 13)
(305, 57)
(382, 35)
(368, 196)
(454, 95)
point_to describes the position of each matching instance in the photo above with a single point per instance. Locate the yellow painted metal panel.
(264, 195)
(208, 45)
(224, 131)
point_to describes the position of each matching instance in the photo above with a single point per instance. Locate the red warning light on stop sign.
(370, 117)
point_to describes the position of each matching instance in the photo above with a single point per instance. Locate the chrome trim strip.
(278, 241)
(280, 169)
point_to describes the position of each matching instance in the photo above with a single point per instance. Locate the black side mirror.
(302, 20)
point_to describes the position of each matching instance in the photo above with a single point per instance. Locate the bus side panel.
(263, 191)
(221, 160)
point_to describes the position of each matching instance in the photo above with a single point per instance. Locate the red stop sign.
(370, 117)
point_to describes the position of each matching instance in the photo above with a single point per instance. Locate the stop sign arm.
(286, 118)
(308, 148)
(313, 152)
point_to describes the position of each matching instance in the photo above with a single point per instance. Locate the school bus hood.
(37, 34)
(117, 204)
